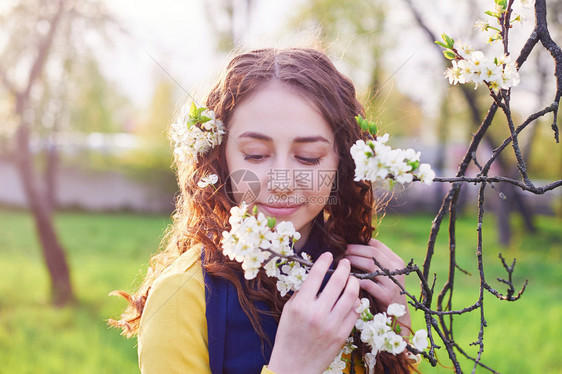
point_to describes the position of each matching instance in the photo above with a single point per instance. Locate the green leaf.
(201, 110)
(414, 164)
(255, 210)
(502, 4)
(448, 40)
(204, 119)
(492, 14)
(441, 44)
(373, 128)
(368, 154)
(449, 55)
(270, 222)
(193, 111)
(362, 122)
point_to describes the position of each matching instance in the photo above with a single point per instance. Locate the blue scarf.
(234, 345)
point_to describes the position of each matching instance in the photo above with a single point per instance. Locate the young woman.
(289, 122)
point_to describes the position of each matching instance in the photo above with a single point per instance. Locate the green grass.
(521, 336)
(105, 252)
(110, 251)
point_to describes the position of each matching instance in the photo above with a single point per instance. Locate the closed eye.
(254, 157)
(308, 161)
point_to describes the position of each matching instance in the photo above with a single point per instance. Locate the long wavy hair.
(202, 213)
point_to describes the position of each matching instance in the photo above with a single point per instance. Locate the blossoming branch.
(376, 161)
(195, 132)
(257, 241)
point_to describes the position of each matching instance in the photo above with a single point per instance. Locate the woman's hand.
(314, 327)
(381, 288)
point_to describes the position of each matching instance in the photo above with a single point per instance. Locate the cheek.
(247, 181)
(327, 180)
(321, 195)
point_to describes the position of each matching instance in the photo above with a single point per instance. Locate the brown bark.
(53, 253)
(37, 198)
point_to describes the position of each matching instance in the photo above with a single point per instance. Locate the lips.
(280, 210)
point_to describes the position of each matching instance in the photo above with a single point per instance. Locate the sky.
(175, 35)
(172, 37)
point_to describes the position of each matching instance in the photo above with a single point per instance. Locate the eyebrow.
(302, 139)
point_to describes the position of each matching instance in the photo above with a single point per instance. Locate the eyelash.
(305, 160)
(309, 161)
(254, 157)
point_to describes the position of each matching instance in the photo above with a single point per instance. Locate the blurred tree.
(540, 158)
(42, 41)
(160, 114)
(153, 157)
(356, 30)
(229, 21)
(94, 102)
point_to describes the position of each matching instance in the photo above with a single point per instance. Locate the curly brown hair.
(202, 213)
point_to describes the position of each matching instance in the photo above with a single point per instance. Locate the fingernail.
(327, 254)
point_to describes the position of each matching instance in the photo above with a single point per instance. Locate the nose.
(280, 178)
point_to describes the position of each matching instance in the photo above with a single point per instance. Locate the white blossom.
(420, 340)
(491, 72)
(455, 74)
(481, 25)
(254, 244)
(271, 269)
(394, 343)
(370, 362)
(363, 306)
(477, 62)
(397, 310)
(192, 138)
(348, 347)
(337, 366)
(377, 162)
(425, 173)
(474, 67)
(208, 180)
(510, 77)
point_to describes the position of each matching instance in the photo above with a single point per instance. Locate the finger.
(383, 281)
(384, 259)
(363, 263)
(377, 291)
(347, 300)
(383, 248)
(336, 284)
(375, 249)
(348, 322)
(386, 294)
(315, 277)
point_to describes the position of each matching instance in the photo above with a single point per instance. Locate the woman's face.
(281, 156)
